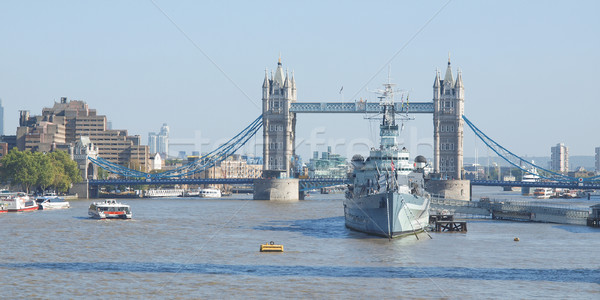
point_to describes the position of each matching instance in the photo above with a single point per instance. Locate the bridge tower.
(279, 135)
(81, 153)
(279, 124)
(448, 125)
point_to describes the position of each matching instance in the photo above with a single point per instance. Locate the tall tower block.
(279, 124)
(448, 125)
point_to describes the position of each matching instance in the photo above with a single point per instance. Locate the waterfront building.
(328, 166)
(237, 166)
(62, 125)
(448, 103)
(39, 134)
(279, 124)
(559, 159)
(234, 166)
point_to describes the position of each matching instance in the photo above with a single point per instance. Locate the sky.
(529, 67)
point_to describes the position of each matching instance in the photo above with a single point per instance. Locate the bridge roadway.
(305, 184)
(359, 107)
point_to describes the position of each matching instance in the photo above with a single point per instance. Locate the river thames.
(182, 248)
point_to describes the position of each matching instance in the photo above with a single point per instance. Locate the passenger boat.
(387, 196)
(51, 202)
(163, 193)
(19, 202)
(209, 193)
(543, 193)
(109, 209)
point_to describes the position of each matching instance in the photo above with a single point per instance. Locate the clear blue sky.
(530, 68)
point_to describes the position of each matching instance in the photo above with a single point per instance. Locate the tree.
(20, 168)
(67, 171)
(40, 170)
(46, 171)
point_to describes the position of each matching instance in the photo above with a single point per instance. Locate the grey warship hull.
(388, 214)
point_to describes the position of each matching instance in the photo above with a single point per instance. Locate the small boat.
(51, 202)
(160, 193)
(209, 193)
(17, 202)
(543, 193)
(109, 209)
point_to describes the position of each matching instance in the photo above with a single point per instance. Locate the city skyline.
(528, 68)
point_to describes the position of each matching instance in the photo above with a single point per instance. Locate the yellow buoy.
(271, 247)
(516, 239)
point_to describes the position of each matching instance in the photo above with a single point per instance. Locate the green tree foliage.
(66, 170)
(19, 167)
(39, 170)
(46, 171)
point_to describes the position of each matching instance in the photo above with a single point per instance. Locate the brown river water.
(182, 248)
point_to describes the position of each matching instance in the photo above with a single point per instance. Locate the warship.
(386, 196)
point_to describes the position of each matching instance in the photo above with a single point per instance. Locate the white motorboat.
(209, 193)
(163, 193)
(52, 202)
(109, 209)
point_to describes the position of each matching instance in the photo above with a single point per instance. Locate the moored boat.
(209, 193)
(51, 202)
(387, 196)
(109, 209)
(163, 193)
(543, 193)
(16, 202)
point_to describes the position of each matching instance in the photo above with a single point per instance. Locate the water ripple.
(332, 227)
(553, 275)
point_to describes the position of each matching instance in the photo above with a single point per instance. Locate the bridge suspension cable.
(204, 162)
(519, 162)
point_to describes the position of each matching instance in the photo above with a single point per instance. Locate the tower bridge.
(280, 106)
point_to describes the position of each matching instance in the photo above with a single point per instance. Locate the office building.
(559, 158)
(60, 126)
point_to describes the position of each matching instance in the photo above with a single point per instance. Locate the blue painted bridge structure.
(304, 184)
